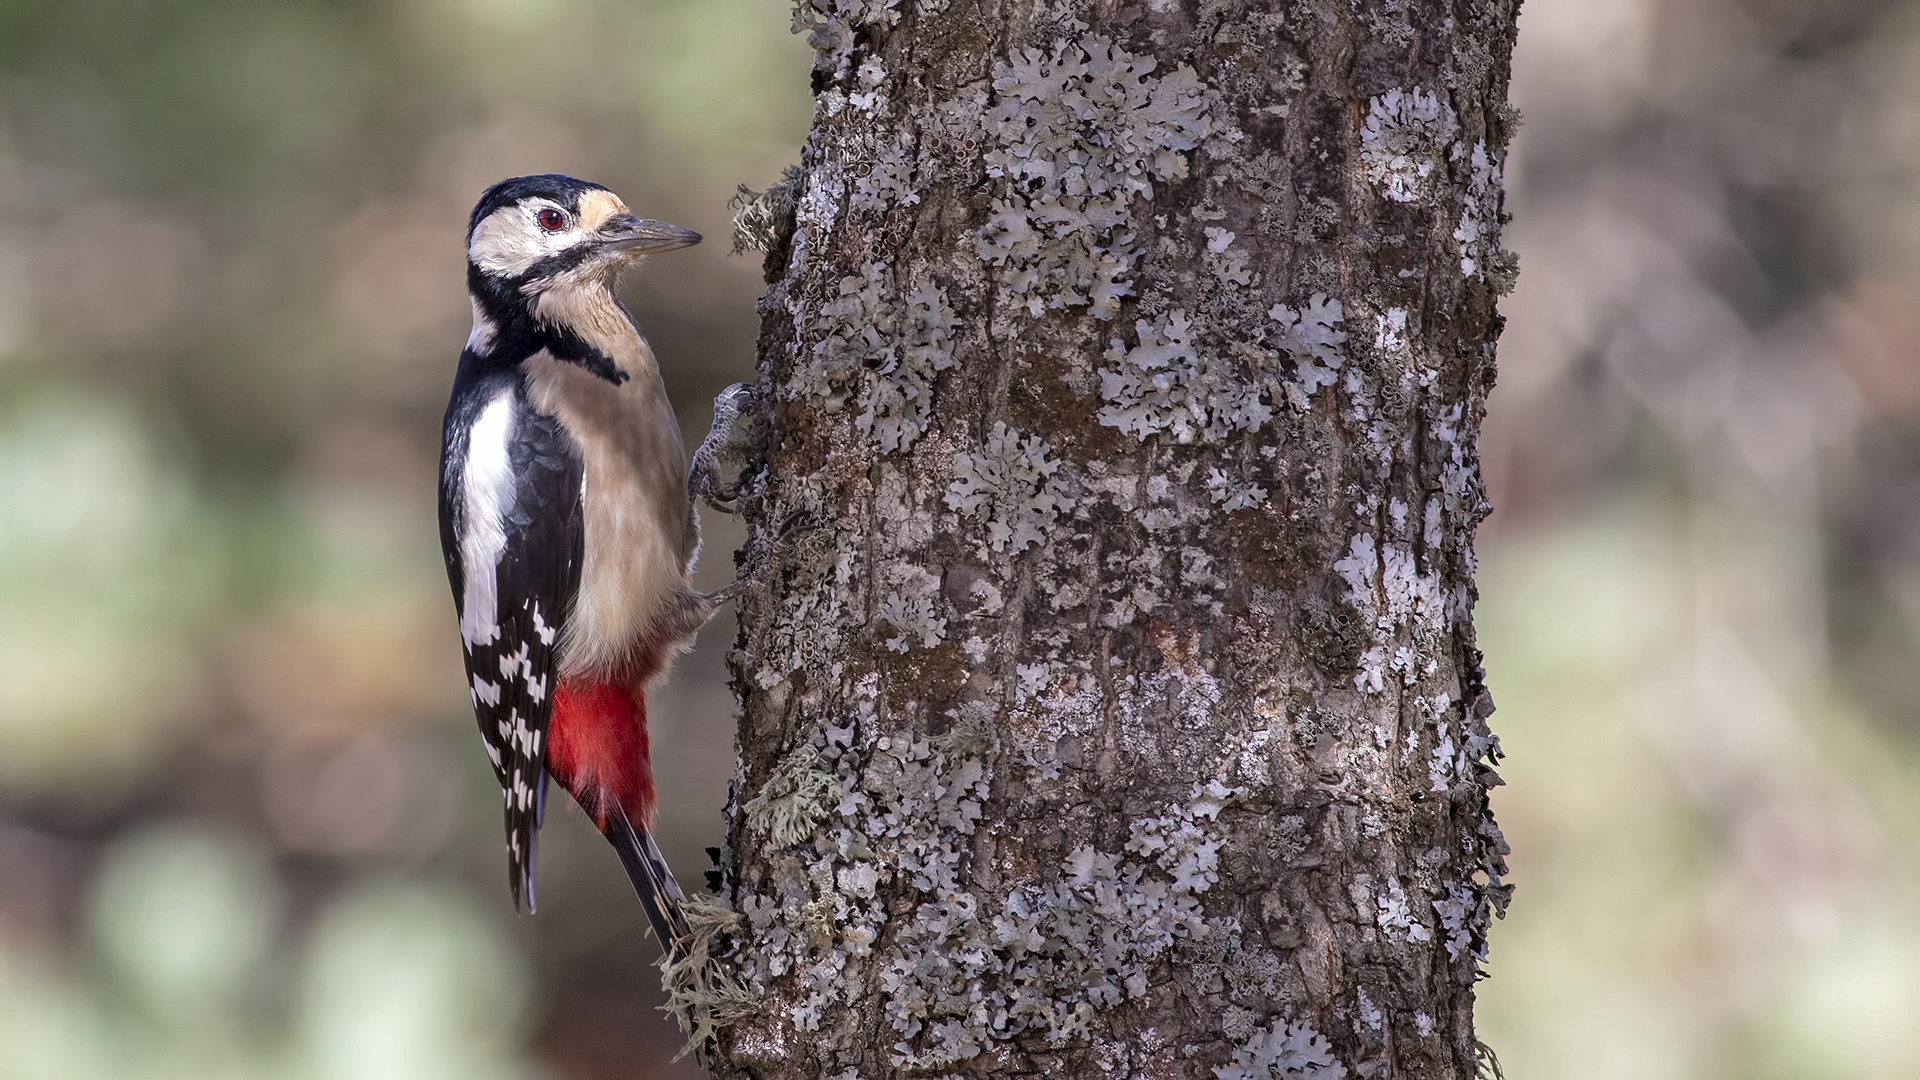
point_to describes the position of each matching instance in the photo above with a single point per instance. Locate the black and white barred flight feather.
(511, 527)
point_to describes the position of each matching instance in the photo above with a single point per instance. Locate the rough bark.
(1122, 717)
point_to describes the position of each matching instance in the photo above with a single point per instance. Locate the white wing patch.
(488, 478)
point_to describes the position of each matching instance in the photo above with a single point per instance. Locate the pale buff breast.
(635, 496)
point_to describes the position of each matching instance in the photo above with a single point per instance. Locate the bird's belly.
(634, 506)
(631, 570)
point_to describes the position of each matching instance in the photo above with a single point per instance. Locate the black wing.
(527, 525)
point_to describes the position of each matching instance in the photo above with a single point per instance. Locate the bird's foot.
(732, 454)
(792, 527)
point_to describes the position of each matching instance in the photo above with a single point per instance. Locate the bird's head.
(535, 234)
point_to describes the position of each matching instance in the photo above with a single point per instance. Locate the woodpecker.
(565, 519)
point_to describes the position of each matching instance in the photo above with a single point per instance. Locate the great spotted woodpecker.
(565, 519)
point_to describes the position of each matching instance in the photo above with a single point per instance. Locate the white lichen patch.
(903, 809)
(1404, 139)
(1179, 842)
(1081, 131)
(1181, 690)
(1228, 263)
(1284, 1051)
(900, 402)
(1395, 916)
(831, 26)
(819, 912)
(1053, 956)
(1443, 766)
(1012, 485)
(1457, 912)
(1478, 745)
(909, 610)
(1029, 681)
(882, 350)
(1359, 568)
(1068, 703)
(854, 340)
(798, 796)
(1231, 493)
(1171, 382)
(808, 622)
(1167, 383)
(1412, 596)
(883, 180)
(1370, 1015)
(1390, 332)
(869, 97)
(1479, 232)
(816, 209)
(1197, 567)
(1408, 612)
(1311, 337)
(896, 813)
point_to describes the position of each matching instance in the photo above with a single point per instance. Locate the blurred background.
(245, 829)
(1701, 586)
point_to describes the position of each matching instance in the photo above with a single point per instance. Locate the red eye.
(552, 220)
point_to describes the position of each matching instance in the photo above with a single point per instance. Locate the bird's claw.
(734, 451)
(792, 527)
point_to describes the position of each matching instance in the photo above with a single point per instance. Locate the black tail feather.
(653, 880)
(520, 871)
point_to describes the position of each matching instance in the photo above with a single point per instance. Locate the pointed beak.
(641, 236)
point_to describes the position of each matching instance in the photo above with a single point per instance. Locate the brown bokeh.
(245, 828)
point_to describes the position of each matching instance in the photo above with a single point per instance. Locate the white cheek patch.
(511, 240)
(488, 479)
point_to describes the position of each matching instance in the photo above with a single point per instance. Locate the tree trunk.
(1120, 715)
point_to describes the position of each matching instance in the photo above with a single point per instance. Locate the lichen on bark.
(1120, 713)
